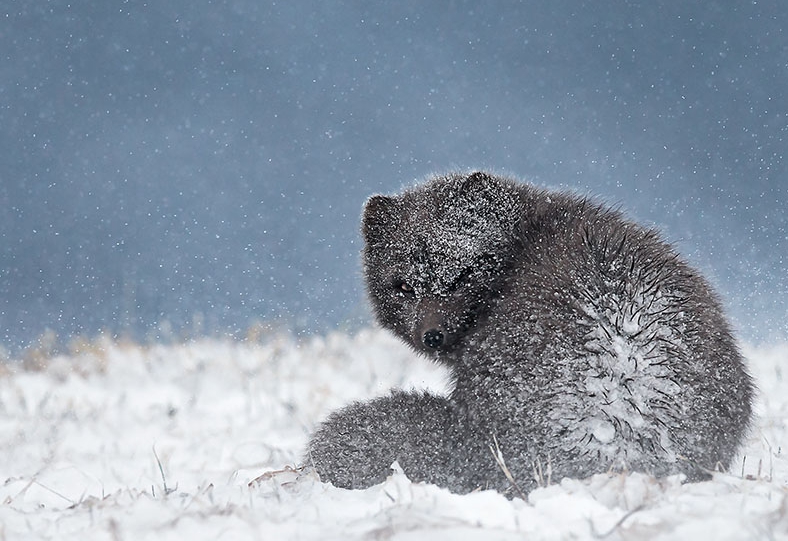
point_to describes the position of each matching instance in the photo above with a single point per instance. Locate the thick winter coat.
(578, 341)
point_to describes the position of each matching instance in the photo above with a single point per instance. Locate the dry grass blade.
(167, 491)
(615, 526)
(498, 455)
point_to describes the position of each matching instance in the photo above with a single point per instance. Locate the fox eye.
(403, 288)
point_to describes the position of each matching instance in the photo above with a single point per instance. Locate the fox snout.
(433, 338)
(433, 331)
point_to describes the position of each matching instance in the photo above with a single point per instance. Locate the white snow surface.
(198, 441)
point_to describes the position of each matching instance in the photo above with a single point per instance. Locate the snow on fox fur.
(578, 343)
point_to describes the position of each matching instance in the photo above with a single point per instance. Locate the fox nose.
(433, 338)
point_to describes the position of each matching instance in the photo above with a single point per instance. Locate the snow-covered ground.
(196, 441)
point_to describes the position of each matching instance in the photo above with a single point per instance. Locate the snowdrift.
(199, 440)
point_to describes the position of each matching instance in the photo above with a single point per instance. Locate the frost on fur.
(576, 339)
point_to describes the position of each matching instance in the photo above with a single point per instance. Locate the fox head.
(435, 257)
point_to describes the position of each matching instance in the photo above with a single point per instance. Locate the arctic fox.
(578, 343)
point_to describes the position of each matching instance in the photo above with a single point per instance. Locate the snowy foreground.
(196, 441)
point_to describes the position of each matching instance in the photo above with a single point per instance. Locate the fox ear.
(475, 183)
(381, 214)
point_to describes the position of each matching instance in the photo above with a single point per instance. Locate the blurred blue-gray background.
(198, 166)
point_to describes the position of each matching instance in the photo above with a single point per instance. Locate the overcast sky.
(205, 163)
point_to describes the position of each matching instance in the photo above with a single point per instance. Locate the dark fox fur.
(577, 340)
